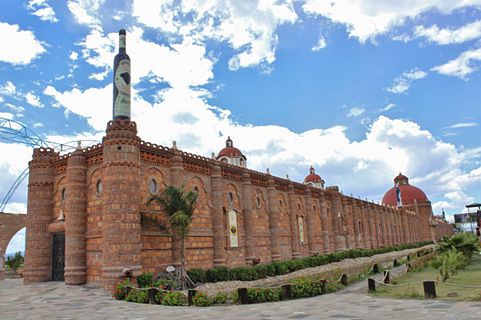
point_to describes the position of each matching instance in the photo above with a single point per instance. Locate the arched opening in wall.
(15, 244)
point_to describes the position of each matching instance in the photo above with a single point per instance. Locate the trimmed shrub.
(174, 298)
(261, 271)
(219, 298)
(280, 267)
(217, 274)
(197, 275)
(305, 287)
(144, 279)
(159, 296)
(137, 296)
(201, 299)
(258, 295)
(120, 290)
(165, 284)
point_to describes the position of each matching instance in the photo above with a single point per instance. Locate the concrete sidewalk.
(55, 300)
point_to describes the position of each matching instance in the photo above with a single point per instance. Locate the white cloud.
(445, 36)
(388, 107)
(87, 12)
(183, 64)
(355, 112)
(99, 76)
(73, 56)
(23, 47)
(33, 100)
(14, 108)
(462, 66)
(42, 9)
(321, 44)
(38, 125)
(7, 115)
(86, 103)
(366, 19)
(463, 125)
(8, 89)
(403, 83)
(247, 26)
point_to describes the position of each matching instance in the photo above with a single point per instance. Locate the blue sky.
(360, 89)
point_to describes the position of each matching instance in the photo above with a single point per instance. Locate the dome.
(314, 179)
(409, 193)
(229, 150)
(312, 176)
(231, 155)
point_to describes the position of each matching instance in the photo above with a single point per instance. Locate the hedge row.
(260, 271)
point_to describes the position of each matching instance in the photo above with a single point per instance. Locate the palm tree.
(179, 207)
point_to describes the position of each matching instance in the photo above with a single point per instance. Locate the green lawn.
(470, 276)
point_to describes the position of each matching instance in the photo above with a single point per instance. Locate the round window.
(99, 187)
(231, 198)
(195, 189)
(258, 202)
(152, 186)
(64, 194)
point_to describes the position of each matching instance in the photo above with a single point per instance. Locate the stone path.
(55, 300)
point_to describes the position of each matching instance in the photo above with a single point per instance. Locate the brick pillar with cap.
(76, 219)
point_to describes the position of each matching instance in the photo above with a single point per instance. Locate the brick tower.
(121, 181)
(121, 193)
(38, 251)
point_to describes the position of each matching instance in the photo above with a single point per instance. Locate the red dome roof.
(313, 177)
(229, 150)
(409, 193)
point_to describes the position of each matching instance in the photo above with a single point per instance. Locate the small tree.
(15, 262)
(179, 207)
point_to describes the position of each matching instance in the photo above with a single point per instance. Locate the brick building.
(84, 209)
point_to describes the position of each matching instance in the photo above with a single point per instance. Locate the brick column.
(381, 212)
(274, 220)
(324, 223)
(248, 218)
(291, 197)
(176, 180)
(311, 235)
(356, 218)
(38, 251)
(348, 222)
(372, 226)
(337, 223)
(76, 219)
(366, 222)
(218, 217)
(121, 199)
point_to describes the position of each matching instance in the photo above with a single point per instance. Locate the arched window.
(258, 202)
(98, 188)
(152, 186)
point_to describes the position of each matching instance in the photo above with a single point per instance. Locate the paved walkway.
(54, 300)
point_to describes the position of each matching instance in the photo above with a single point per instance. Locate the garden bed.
(305, 282)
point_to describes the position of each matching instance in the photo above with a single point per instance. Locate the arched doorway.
(10, 224)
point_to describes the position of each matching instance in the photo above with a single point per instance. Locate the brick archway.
(10, 224)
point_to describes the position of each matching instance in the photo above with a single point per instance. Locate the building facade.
(84, 219)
